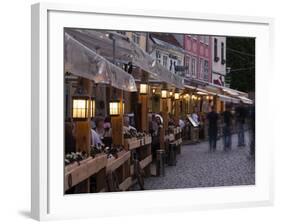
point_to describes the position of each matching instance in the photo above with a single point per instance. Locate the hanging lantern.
(80, 107)
(177, 94)
(153, 90)
(164, 92)
(114, 108)
(186, 96)
(93, 107)
(143, 88)
(171, 93)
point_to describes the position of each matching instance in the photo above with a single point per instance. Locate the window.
(201, 68)
(158, 56)
(206, 40)
(193, 67)
(206, 70)
(187, 65)
(222, 53)
(216, 58)
(136, 38)
(165, 61)
(202, 39)
(172, 65)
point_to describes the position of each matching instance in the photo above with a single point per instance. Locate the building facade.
(198, 57)
(218, 60)
(167, 51)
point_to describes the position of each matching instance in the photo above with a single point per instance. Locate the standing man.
(227, 123)
(240, 118)
(213, 129)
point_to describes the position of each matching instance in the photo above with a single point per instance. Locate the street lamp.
(80, 107)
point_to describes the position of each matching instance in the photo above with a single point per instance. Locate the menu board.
(193, 122)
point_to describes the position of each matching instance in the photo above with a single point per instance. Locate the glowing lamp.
(114, 108)
(143, 88)
(164, 93)
(80, 107)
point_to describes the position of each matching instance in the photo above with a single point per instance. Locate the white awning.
(228, 99)
(84, 62)
(246, 100)
(125, 50)
(231, 92)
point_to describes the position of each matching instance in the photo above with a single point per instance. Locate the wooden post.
(177, 111)
(143, 99)
(144, 112)
(83, 128)
(117, 124)
(83, 135)
(165, 123)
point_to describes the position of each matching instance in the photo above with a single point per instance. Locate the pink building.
(198, 59)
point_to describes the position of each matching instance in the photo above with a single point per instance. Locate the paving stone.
(197, 167)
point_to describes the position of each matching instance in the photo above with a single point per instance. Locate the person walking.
(240, 118)
(252, 132)
(212, 118)
(227, 123)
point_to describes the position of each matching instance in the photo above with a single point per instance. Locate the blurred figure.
(127, 127)
(195, 116)
(212, 118)
(240, 118)
(227, 124)
(252, 131)
(97, 132)
(181, 124)
(101, 132)
(155, 133)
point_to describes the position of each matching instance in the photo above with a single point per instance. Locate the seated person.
(101, 132)
(127, 127)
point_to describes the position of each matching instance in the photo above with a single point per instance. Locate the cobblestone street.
(197, 167)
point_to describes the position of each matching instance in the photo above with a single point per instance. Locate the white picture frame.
(48, 201)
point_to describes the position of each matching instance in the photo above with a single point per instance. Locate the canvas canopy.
(114, 46)
(84, 62)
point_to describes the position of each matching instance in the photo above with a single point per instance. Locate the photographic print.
(155, 111)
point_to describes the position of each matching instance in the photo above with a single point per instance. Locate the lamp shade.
(171, 93)
(143, 88)
(114, 108)
(80, 107)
